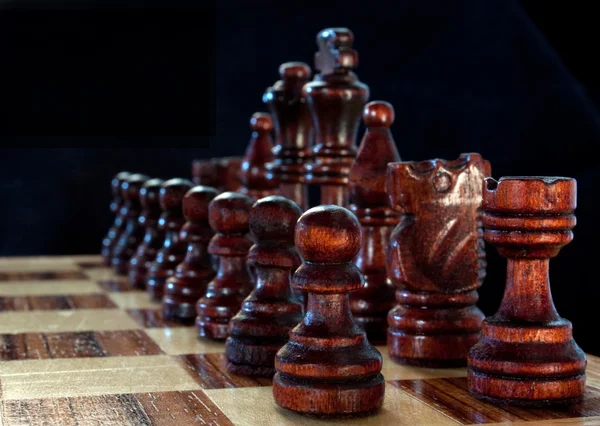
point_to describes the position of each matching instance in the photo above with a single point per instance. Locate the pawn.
(328, 367)
(368, 198)
(261, 327)
(228, 216)
(153, 237)
(188, 284)
(173, 249)
(258, 180)
(119, 224)
(526, 354)
(133, 233)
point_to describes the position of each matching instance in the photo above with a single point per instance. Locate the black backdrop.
(148, 86)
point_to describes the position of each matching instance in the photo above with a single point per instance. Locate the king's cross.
(335, 50)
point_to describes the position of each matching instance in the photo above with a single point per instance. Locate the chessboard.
(80, 347)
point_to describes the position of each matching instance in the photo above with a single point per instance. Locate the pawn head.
(196, 202)
(117, 181)
(229, 212)
(378, 114)
(149, 193)
(172, 193)
(261, 122)
(328, 234)
(274, 219)
(294, 71)
(131, 185)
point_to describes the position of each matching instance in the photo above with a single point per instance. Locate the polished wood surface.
(336, 98)
(223, 173)
(153, 236)
(526, 354)
(65, 360)
(328, 367)
(189, 281)
(262, 325)
(258, 180)
(173, 249)
(229, 215)
(293, 129)
(368, 200)
(436, 258)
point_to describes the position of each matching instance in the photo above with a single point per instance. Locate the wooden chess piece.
(191, 276)
(229, 173)
(228, 215)
(328, 367)
(267, 315)
(436, 258)
(119, 224)
(293, 128)
(153, 237)
(368, 198)
(173, 249)
(204, 172)
(257, 180)
(526, 354)
(336, 98)
(133, 233)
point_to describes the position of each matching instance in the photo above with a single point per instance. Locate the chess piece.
(526, 354)
(173, 249)
(191, 277)
(261, 327)
(228, 215)
(293, 128)
(204, 172)
(436, 258)
(153, 237)
(368, 198)
(328, 367)
(133, 233)
(229, 173)
(336, 98)
(119, 224)
(257, 180)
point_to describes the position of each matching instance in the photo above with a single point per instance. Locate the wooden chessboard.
(78, 347)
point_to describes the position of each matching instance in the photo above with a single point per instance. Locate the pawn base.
(251, 370)
(212, 329)
(175, 311)
(155, 288)
(361, 397)
(432, 351)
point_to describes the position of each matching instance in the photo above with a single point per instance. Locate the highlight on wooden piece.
(223, 173)
(153, 237)
(436, 258)
(118, 225)
(267, 315)
(336, 98)
(173, 249)
(293, 129)
(133, 233)
(328, 367)
(258, 180)
(188, 284)
(368, 200)
(228, 216)
(526, 354)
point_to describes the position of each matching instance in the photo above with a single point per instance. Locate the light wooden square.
(133, 300)
(183, 340)
(50, 378)
(47, 288)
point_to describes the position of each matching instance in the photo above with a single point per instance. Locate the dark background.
(92, 88)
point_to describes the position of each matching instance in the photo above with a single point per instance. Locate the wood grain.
(46, 276)
(451, 396)
(76, 345)
(48, 303)
(151, 318)
(141, 409)
(210, 372)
